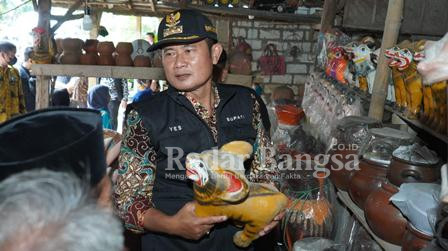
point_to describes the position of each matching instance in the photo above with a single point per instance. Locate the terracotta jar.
(71, 51)
(240, 63)
(414, 240)
(89, 59)
(59, 50)
(385, 220)
(105, 50)
(123, 57)
(90, 46)
(142, 61)
(340, 169)
(91, 54)
(366, 180)
(408, 165)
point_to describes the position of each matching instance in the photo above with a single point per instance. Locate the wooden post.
(328, 15)
(96, 20)
(42, 91)
(224, 34)
(390, 36)
(139, 26)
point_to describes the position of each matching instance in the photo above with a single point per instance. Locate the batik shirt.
(12, 101)
(137, 161)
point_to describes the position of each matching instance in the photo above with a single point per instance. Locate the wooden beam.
(152, 4)
(328, 15)
(390, 36)
(67, 15)
(138, 20)
(242, 12)
(224, 33)
(35, 5)
(64, 18)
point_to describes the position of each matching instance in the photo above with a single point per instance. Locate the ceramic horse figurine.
(220, 188)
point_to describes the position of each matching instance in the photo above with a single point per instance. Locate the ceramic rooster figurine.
(220, 188)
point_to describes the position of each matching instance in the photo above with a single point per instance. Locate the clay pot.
(124, 48)
(106, 47)
(89, 59)
(123, 60)
(366, 180)
(142, 61)
(156, 60)
(90, 46)
(414, 240)
(383, 217)
(71, 51)
(340, 174)
(105, 50)
(401, 171)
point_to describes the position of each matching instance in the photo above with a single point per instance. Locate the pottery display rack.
(43, 73)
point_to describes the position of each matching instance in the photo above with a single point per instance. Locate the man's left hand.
(273, 223)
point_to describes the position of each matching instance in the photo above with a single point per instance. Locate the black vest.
(172, 124)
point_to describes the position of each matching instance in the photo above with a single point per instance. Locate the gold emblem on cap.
(172, 21)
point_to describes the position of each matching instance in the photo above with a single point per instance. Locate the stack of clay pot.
(123, 57)
(105, 50)
(91, 54)
(71, 51)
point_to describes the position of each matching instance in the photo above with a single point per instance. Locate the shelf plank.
(359, 214)
(422, 126)
(98, 71)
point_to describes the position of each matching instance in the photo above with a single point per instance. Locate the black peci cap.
(184, 26)
(60, 139)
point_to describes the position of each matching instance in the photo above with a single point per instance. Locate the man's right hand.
(186, 224)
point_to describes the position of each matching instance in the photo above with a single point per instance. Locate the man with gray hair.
(44, 210)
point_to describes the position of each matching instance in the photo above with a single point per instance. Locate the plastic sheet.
(318, 244)
(417, 154)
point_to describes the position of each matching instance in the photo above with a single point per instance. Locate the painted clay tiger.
(220, 188)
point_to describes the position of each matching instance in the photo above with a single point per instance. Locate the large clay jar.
(124, 51)
(366, 180)
(385, 220)
(71, 51)
(105, 50)
(414, 240)
(91, 54)
(408, 165)
(142, 61)
(341, 165)
(59, 50)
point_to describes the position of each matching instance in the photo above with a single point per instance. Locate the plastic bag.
(434, 68)
(270, 62)
(317, 244)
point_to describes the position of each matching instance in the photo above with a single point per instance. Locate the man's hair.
(150, 34)
(27, 53)
(6, 46)
(47, 210)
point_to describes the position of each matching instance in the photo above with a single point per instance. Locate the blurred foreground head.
(44, 210)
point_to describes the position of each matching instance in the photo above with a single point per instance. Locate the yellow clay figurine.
(220, 188)
(400, 89)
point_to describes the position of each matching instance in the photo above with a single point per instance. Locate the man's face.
(188, 67)
(7, 57)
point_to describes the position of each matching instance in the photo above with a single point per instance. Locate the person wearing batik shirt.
(12, 101)
(151, 195)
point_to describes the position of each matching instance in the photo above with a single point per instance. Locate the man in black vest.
(152, 194)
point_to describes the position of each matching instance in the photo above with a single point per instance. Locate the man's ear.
(216, 52)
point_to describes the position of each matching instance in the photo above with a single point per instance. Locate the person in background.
(45, 210)
(98, 98)
(118, 90)
(146, 89)
(12, 101)
(150, 38)
(61, 82)
(60, 97)
(77, 87)
(28, 80)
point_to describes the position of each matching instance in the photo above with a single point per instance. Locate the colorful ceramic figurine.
(220, 188)
(400, 90)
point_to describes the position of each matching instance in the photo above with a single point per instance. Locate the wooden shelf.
(359, 214)
(119, 72)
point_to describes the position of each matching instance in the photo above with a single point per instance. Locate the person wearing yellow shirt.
(12, 101)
